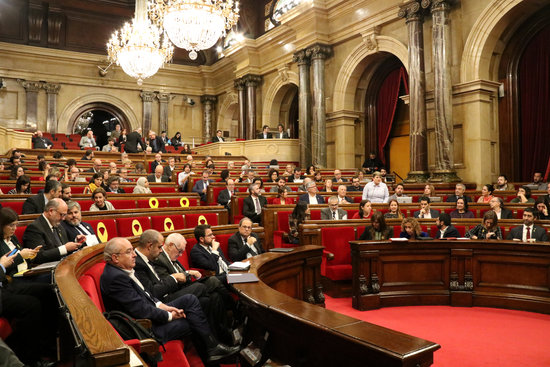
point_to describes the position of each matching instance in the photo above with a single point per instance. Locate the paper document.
(239, 265)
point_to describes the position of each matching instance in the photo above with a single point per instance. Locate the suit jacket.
(348, 199)
(198, 187)
(249, 209)
(326, 214)
(238, 250)
(224, 199)
(277, 135)
(454, 198)
(538, 233)
(157, 145)
(154, 164)
(291, 178)
(305, 197)
(72, 231)
(200, 258)
(369, 233)
(158, 288)
(216, 140)
(164, 267)
(34, 204)
(261, 136)
(450, 232)
(41, 143)
(84, 141)
(132, 141)
(506, 214)
(168, 172)
(39, 233)
(4, 249)
(120, 190)
(433, 213)
(163, 178)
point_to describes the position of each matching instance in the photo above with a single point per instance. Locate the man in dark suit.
(297, 176)
(224, 197)
(254, 203)
(528, 232)
(133, 140)
(338, 177)
(446, 229)
(425, 210)
(158, 176)
(244, 243)
(122, 291)
(74, 226)
(265, 134)
(46, 232)
(311, 196)
(40, 142)
(201, 186)
(207, 254)
(35, 204)
(170, 168)
(218, 138)
(459, 194)
(158, 161)
(156, 143)
(96, 166)
(333, 212)
(342, 195)
(113, 185)
(281, 133)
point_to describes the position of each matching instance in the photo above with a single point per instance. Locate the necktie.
(422, 215)
(333, 215)
(82, 229)
(56, 237)
(257, 204)
(528, 234)
(178, 268)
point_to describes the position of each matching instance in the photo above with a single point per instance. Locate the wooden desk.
(503, 274)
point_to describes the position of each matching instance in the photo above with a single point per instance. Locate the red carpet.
(469, 337)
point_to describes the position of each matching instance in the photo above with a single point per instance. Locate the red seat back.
(90, 282)
(192, 220)
(182, 202)
(315, 214)
(128, 227)
(105, 229)
(282, 221)
(165, 223)
(124, 203)
(336, 240)
(17, 206)
(222, 239)
(152, 203)
(19, 233)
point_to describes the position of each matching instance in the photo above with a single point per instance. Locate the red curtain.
(534, 91)
(386, 104)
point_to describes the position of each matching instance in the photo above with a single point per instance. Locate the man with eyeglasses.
(244, 243)
(174, 320)
(46, 231)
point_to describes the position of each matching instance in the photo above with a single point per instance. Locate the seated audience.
(156, 143)
(282, 197)
(66, 194)
(110, 146)
(303, 186)
(503, 185)
(318, 178)
(113, 185)
(158, 176)
(394, 211)
(355, 184)
(40, 142)
(333, 212)
(298, 216)
(365, 210)
(446, 229)
(254, 204)
(459, 193)
(425, 210)
(224, 175)
(297, 176)
(88, 155)
(462, 210)
(281, 133)
(523, 196)
(207, 254)
(528, 232)
(273, 176)
(184, 175)
(328, 185)
(429, 191)
(176, 140)
(497, 205)
(372, 163)
(157, 162)
(88, 141)
(281, 183)
(244, 243)
(541, 209)
(338, 177)
(224, 197)
(22, 186)
(376, 191)
(342, 195)
(74, 226)
(16, 172)
(142, 186)
(537, 181)
(378, 230)
(201, 186)
(411, 229)
(218, 138)
(486, 194)
(139, 169)
(99, 197)
(265, 134)
(260, 182)
(95, 182)
(310, 171)
(487, 230)
(35, 204)
(312, 196)
(399, 192)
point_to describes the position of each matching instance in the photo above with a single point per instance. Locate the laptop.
(404, 199)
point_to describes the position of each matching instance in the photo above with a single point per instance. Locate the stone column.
(209, 103)
(252, 81)
(240, 85)
(304, 109)
(319, 53)
(147, 98)
(443, 91)
(412, 12)
(164, 101)
(31, 91)
(51, 120)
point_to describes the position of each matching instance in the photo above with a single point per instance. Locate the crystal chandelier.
(140, 48)
(194, 25)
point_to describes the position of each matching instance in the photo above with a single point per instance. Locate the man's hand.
(195, 273)
(72, 246)
(215, 245)
(28, 253)
(176, 312)
(80, 239)
(180, 277)
(6, 260)
(251, 241)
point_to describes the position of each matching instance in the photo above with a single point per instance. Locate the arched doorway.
(284, 109)
(229, 120)
(101, 118)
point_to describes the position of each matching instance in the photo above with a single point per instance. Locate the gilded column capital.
(147, 96)
(319, 51)
(208, 99)
(164, 97)
(301, 57)
(51, 88)
(252, 80)
(30, 86)
(412, 12)
(239, 84)
(437, 5)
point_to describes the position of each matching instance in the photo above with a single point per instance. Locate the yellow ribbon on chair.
(184, 202)
(136, 228)
(153, 203)
(201, 219)
(102, 233)
(168, 224)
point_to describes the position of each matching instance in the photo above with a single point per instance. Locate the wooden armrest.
(146, 323)
(149, 346)
(328, 255)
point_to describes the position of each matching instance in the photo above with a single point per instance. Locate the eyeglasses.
(180, 251)
(127, 252)
(246, 227)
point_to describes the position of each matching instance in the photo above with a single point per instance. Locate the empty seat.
(336, 241)
(192, 220)
(164, 223)
(128, 227)
(105, 229)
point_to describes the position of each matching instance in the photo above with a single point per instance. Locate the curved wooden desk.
(301, 333)
(502, 274)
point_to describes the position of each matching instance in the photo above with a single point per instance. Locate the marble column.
(51, 120)
(164, 103)
(147, 98)
(240, 86)
(412, 12)
(252, 81)
(31, 92)
(319, 53)
(209, 103)
(304, 107)
(443, 91)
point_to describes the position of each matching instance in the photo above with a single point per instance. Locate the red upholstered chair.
(85, 205)
(5, 328)
(461, 230)
(128, 227)
(215, 192)
(162, 189)
(357, 199)
(182, 202)
(19, 233)
(222, 239)
(164, 223)
(449, 210)
(315, 214)
(184, 258)
(519, 213)
(396, 230)
(151, 203)
(17, 206)
(192, 220)
(352, 212)
(336, 242)
(282, 228)
(105, 229)
(239, 215)
(77, 189)
(123, 203)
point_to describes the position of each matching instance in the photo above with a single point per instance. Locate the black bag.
(128, 328)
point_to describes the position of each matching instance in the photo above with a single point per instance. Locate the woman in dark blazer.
(378, 230)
